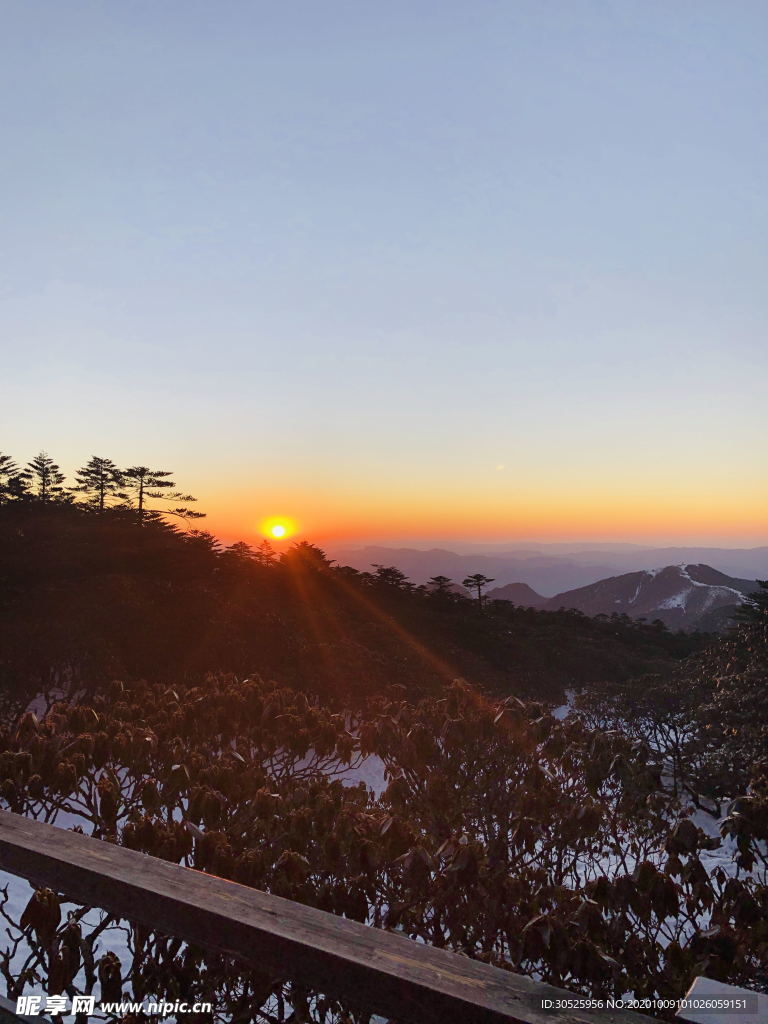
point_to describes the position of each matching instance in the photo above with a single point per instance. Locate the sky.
(395, 271)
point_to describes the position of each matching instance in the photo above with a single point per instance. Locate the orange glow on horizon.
(668, 514)
(652, 522)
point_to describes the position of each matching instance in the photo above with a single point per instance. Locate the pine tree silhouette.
(477, 582)
(47, 478)
(100, 479)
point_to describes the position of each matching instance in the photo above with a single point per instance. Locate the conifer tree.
(304, 555)
(265, 553)
(756, 608)
(477, 582)
(440, 584)
(145, 483)
(240, 551)
(14, 482)
(100, 479)
(47, 478)
(391, 576)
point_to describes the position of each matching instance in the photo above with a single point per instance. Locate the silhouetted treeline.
(99, 486)
(105, 585)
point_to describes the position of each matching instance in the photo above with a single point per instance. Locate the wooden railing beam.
(382, 971)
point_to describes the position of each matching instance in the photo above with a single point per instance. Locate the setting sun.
(278, 528)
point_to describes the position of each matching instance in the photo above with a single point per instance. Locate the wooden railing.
(382, 971)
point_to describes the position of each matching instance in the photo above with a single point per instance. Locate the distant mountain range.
(553, 569)
(682, 596)
(518, 593)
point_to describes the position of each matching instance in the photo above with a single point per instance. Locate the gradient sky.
(404, 270)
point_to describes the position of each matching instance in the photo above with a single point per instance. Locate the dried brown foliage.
(543, 846)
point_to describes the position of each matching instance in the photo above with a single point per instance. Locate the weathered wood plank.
(382, 971)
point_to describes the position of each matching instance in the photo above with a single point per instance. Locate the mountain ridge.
(686, 596)
(551, 572)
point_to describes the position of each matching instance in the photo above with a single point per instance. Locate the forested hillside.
(109, 581)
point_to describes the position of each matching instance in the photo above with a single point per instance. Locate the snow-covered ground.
(370, 771)
(563, 710)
